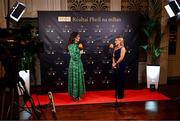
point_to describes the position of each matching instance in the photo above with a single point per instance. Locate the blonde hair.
(120, 38)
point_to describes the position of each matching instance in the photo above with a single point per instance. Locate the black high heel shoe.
(76, 99)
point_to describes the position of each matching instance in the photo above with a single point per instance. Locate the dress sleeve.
(74, 52)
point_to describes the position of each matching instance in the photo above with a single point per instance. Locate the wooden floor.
(149, 110)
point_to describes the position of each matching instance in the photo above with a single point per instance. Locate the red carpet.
(93, 97)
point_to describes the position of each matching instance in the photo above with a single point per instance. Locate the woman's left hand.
(80, 46)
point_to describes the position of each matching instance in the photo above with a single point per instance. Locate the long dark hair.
(71, 40)
(72, 37)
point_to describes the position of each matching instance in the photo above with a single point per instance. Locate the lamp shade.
(17, 11)
(172, 8)
(25, 75)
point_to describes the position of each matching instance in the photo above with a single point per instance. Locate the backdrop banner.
(97, 30)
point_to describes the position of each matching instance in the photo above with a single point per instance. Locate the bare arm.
(113, 61)
(122, 55)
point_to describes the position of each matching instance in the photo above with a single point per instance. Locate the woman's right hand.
(114, 65)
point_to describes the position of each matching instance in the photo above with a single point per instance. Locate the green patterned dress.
(76, 83)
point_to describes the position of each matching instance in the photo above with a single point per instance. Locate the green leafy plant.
(24, 37)
(152, 31)
(26, 62)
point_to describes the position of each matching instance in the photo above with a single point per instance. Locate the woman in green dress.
(76, 82)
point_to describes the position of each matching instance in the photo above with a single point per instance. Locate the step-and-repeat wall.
(98, 31)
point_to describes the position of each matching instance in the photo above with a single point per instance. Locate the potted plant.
(25, 49)
(152, 32)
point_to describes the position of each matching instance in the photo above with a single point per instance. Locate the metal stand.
(8, 107)
(27, 98)
(12, 82)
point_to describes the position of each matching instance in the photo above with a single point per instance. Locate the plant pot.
(152, 74)
(25, 85)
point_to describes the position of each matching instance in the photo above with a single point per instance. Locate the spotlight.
(17, 11)
(172, 8)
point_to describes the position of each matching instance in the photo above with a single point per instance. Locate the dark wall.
(97, 30)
